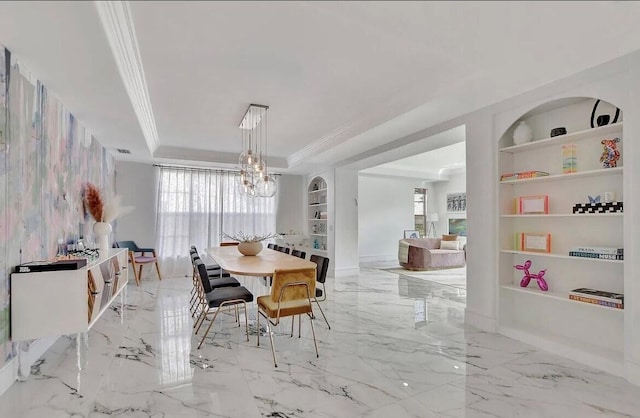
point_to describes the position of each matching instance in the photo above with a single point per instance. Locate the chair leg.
(299, 325)
(273, 347)
(133, 267)
(158, 270)
(201, 318)
(322, 312)
(246, 322)
(313, 331)
(293, 321)
(258, 325)
(209, 327)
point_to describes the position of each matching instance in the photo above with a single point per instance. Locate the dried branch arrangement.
(242, 237)
(93, 202)
(101, 211)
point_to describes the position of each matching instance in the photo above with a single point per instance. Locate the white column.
(482, 232)
(345, 226)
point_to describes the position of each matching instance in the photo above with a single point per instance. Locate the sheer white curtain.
(196, 205)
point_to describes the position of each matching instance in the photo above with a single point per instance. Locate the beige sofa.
(425, 254)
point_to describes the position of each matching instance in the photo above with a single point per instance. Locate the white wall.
(615, 82)
(291, 192)
(437, 200)
(385, 210)
(137, 184)
(346, 261)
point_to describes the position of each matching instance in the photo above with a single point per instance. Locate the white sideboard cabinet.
(65, 302)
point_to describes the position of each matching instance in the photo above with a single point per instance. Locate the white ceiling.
(434, 165)
(341, 78)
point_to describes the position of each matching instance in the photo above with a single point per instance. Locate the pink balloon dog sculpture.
(542, 284)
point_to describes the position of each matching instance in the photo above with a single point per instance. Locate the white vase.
(522, 134)
(250, 247)
(102, 231)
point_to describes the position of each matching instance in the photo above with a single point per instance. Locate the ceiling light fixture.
(254, 179)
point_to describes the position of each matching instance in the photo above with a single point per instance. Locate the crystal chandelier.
(253, 178)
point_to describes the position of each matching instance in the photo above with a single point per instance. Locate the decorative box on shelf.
(605, 207)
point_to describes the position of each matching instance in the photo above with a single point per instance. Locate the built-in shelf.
(317, 214)
(553, 295)
(567, 215)
(564, 139)
(593, 334)
(528, 253)
(572, 176)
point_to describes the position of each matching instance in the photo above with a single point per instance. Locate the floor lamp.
(432, 218)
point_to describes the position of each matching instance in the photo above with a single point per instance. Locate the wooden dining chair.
(138, 258)
(291, 295)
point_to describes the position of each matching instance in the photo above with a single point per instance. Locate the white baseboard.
(632, 372)
(8, 374)
(383, 258)
(344, 271)
(480, 321)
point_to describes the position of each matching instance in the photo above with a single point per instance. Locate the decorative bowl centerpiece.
(250, 244)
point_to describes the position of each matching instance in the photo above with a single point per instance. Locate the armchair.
(138, 258)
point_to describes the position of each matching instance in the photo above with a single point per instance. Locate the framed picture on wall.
(458, 227)
(411, 233)
(456, 202)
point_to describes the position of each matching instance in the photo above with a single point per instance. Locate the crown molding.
(117, 22)
(213, 157)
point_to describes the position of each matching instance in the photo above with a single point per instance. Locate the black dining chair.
(284, 250)
(271, 246)
(214, 280)
(321, 277)
(217, 298)
(299, 254)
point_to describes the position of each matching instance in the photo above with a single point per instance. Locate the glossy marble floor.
(397, 348)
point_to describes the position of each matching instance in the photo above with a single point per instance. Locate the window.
(195, 206)
(420, 210)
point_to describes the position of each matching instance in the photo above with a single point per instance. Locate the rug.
(449, 277)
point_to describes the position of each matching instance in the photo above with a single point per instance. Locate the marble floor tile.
(397, 347)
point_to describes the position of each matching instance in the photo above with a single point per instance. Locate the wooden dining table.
(261, 265)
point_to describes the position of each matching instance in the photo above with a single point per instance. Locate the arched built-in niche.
(537, 223)
(317, 215)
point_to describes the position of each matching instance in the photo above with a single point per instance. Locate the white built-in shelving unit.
(589, 333)
(317, 215)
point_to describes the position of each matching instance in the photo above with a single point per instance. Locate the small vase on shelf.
(102, 231)
(522, 134)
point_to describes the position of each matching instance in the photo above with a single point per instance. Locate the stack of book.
(603, 253)
(523, 175)
(598, 297)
